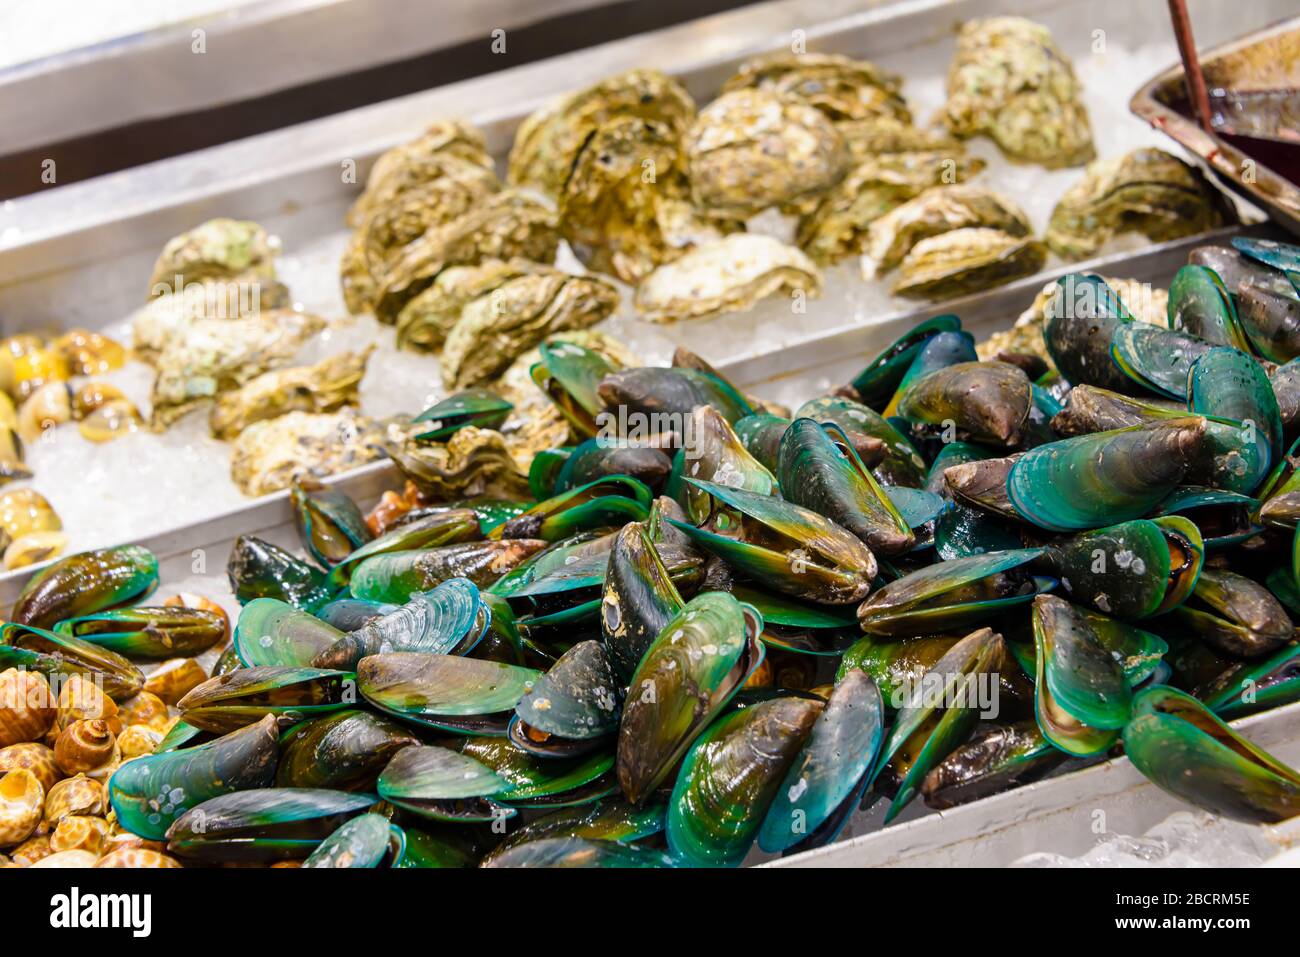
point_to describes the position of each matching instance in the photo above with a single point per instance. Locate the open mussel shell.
(446, 527)
(997, 758)
(1200, 304)
(258, 569)
(367, 842)
(344, 751)
(601, 458)
(953, 594)
(570, 709)
(876, 383)
(639, 599)
(605, 820)
(395, 576)
(330, 525)
(1234, 614)
(580, 852)
(1081, 317)
(569, 374)
(442, 785)
(1105, 477)
(536, 782)
(1156, 359)
(784, 546)
(450, 619)
(60, 656)
(653, 391)
(149, 633)
(876, 439)
(821, 788)
(1220, 518)
(449, 693)
(1229, 384)
(700, 659)
(272, 633)
(1131, 570)
(263, 825)
(730, 778)
(149, 793)
(1250, 686)
(477, 407)
(85, 583)
(228, 702)
(989, 401)
(1179, 745)
(608, 502)
(819, 470)
(710, 450)
(1081, 694)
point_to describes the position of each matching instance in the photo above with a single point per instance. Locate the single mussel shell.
(819, 470)
(59, 656)
(445, 527)
(998, 757)
(445, 692)
(1093, 480)
(1251, 686)
(940, 350)
(1231, 385)
(730, 778)
(330, 526)
(1234, 614)
(85, 583)
(1272, 322)
(700, 659)
(823, 785)
(263, 825)
(988, 401)
(605, 820)
(608, 502)
(1284, 257)
(395, 576)
(149, 633)
(344, 751)
(761, 433)
(601, 458)
(272, 633)
(801, 627)
(569, 374)
(665, 397)
(1182, 748)
(536, 782)
(367, 842)
(580, 852)
(876, 383)
(231, 701)
(571, 709)
(1131, 570)
(349, 614)
(873, 436)
(477, 407)
(710, 450)
(1221, 518)
(1081, 694)
(442, 785)
(953, 594)
(784, 546)
(450, 619)
(1200, 304)
(639, 599)
(1156, 359)
(258, 569)
(149, 793)
(1237, 270)
(1080, 319)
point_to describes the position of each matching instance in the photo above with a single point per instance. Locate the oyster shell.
(217, 249)
(751, 149)
(1010, 81)
(217, 355)
(325, 387)
(424, 322)
(937, 210)
(967, 260)
(874, 135)
(160, 319)
(269, 455)
(502, 226)
(1146, 191)
(837, 227)
(842, 88)
(472, 463)
(494, 329)
(728, 275)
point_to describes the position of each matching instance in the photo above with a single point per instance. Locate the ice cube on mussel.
(571, 709)
(149, 633)
(329, 523)
(59, 656)
(344, 751)
(444, 692)
(1179, 745)
(149, 793)
(699, 660)
(230, 701)
(86, 582)
(367, 841)
(443, 785)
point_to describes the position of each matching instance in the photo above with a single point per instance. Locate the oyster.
(837, 227)
(967, 260)
(324, 387)
(217, 355)
(503, 225)
(269, 455)
(937, 210)
(160, 320)
(1010, 81)
(870, 137)
(729, 275)
(424, 322)
(842, 88)
(1146, 191)
(217, 249)
(472, 463)
(751, 149)
(494, 329)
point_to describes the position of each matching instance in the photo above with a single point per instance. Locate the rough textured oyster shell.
(269, 455)
(472, 463)
(504, 225)
(1146, 191)
(217, 249)
(156, 322)
(837, 227)
(874, 135)
(324, 387)
(967, 260)
(546, 142)
(936, 211)
(495, 328)
(217, 355)
(842, 88)
(1011, 81)
(729, 275)
(752, 149)
(424, 322)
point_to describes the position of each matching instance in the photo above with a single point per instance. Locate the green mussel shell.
(446, 692)
(153, 634)
(343, 751)
(367, 842)
(228, 702)
(272, 633)
(442, 785)
(85, 583)
(60, 656)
